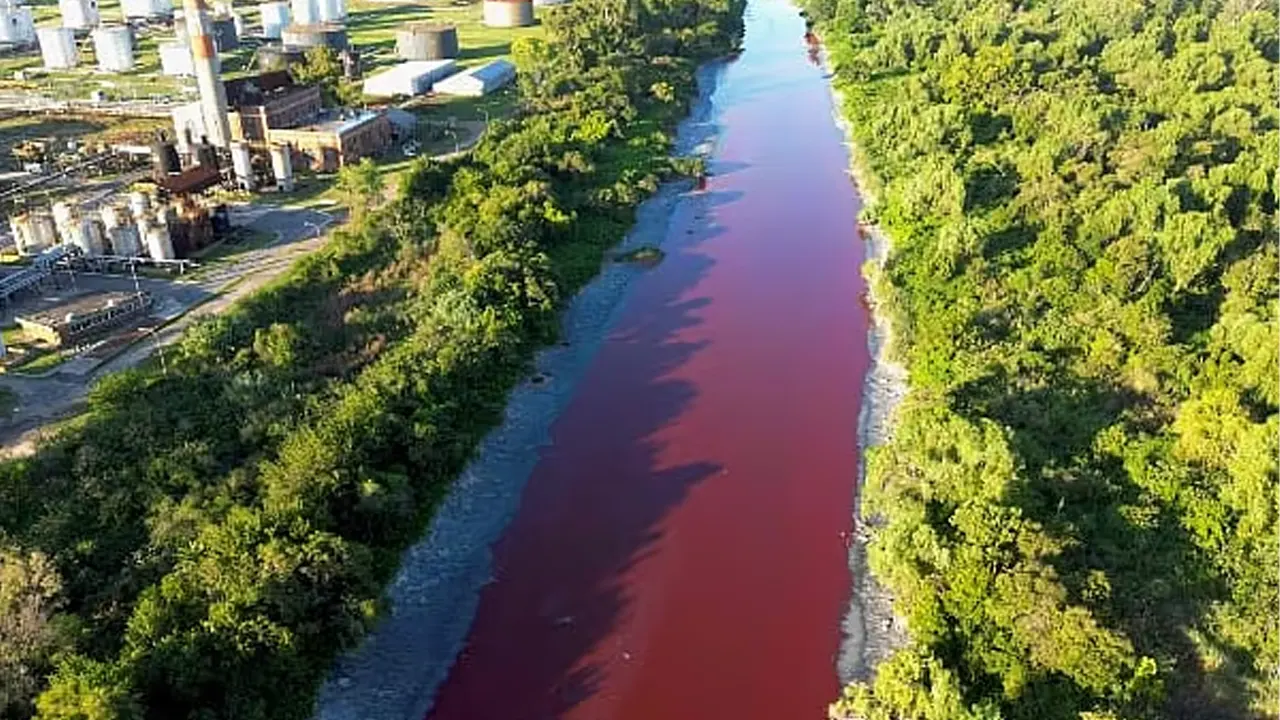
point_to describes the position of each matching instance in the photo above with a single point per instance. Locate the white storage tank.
(144, 9)
(159, 242)
(282, 167)
(331, 10)
(58, 47)
(113, 45)
(79, 14)
(305, 12)
(275, 18)
(17, 27)
(242, 164)
(95, 236)
(508, 13)
(175, 59)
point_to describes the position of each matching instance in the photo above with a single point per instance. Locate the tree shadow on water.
(543, 639)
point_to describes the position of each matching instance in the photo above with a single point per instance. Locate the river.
(680, 549)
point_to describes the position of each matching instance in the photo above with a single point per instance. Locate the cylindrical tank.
(242, 164)
(95, 236)
(508, 13)
(114, 48)
(237, 19)
(79, 14)
(423, 41)
(175, 59)
(63, 214)
(120, 231)
(144, 9)
(309, 36)
(139, 204)
(58, 47)
(331, 10)
(33, 232)
(159, 242)
(17, 26)
(275, 18)
(305, 12)
(224, 34)
(282, 167)
(278, 57)
(164, 158)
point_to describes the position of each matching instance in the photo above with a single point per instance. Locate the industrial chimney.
(204, 60)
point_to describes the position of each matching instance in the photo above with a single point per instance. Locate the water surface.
(680, 549)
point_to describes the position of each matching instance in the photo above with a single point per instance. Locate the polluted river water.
(680, 548)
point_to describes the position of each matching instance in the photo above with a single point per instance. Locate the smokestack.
(204, 60)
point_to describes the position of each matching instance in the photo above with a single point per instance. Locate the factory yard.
(52, 394)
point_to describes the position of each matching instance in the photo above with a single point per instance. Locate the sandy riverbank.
(396, 672)
(871, 629)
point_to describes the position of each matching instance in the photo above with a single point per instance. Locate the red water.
(680, 550)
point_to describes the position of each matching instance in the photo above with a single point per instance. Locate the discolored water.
(680, 550)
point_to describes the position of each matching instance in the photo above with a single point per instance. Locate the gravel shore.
(395, 673)
(871, 629)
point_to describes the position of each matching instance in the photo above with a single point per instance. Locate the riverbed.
(680, 548)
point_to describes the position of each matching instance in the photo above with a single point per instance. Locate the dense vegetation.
(217, 527)
(1079, 506)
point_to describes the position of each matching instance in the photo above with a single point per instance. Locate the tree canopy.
(1077, 513)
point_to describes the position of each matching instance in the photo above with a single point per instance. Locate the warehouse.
(331, 143)
(409, 78)
(478, 81)
(72, 321)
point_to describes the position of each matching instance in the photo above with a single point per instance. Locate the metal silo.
(275, 18)
(113, 45)
(331, 10)
(79, 14)
(159, 241)
(17, 26)
(508, 13)
(282, 167)
(329, 35)
(305, 12)
(242, 165)
(175, 59)
(423, 41)
(58, 47)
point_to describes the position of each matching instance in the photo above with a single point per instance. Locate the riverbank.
(432, 600)
(872, 631)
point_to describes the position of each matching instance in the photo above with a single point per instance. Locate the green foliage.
(1079, 505)
(224, 529)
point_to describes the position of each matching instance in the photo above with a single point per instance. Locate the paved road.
(46, 399)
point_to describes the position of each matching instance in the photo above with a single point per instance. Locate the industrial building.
(81, 318)
(408, 78)
(330, 143)
(478, 81)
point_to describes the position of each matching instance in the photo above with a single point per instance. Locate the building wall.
(326, 151)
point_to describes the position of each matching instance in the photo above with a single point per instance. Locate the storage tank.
(17, 26)
(424, 41)
(242, 165)
(120, 231)
(159, 242)
(114, 48)
(508, 13)
(33, 232)
(305, 12)
(279, 57)
(275, 18)
(309, 36)
(62, 214)
(139, 204)
(331, 10)
(175, 59)
(95, 235)
(146, 9)
(79, 14)
(282, 167)
(224, 34)
(58, 47)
